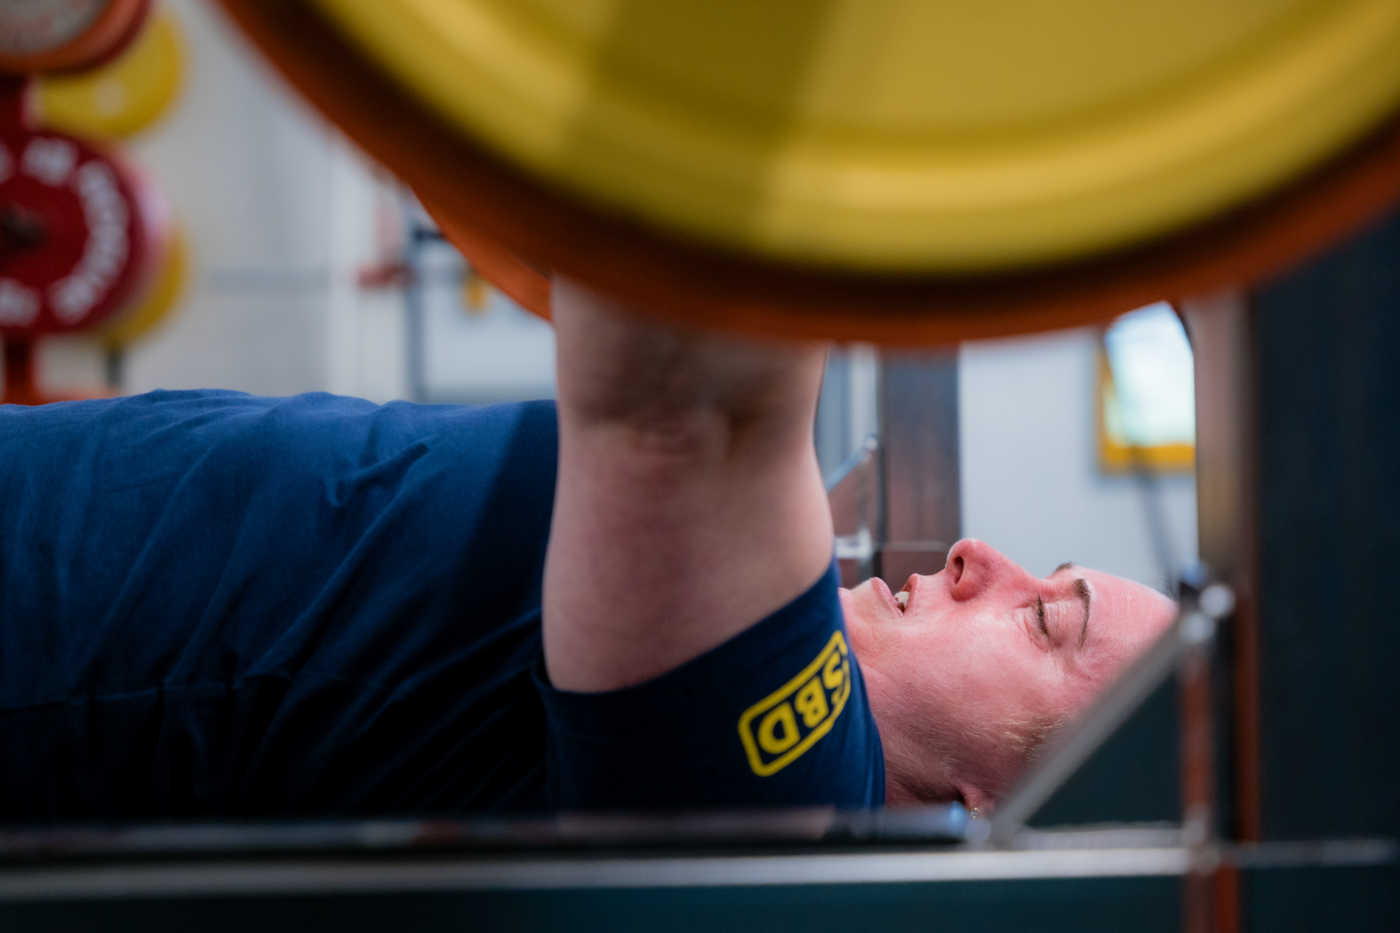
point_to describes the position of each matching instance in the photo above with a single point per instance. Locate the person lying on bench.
(220, 606)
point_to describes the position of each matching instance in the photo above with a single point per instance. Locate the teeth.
(902, 597)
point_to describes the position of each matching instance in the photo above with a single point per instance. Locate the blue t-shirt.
(215, 605)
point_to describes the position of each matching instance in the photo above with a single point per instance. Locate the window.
(1147, 399)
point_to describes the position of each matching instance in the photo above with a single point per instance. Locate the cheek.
(966, 649)
(1078, 693)
(862, 603)
(970, 673)
(955, 677)
(993, 684)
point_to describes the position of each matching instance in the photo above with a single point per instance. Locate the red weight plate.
(79, 234)
(44, 40)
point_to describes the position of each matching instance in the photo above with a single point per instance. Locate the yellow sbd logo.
(791, 719)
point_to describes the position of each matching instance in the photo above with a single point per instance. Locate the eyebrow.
(1081, 589)
(1065, 566)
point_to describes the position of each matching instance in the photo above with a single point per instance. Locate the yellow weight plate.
(159, 302)
(124, 96)
(900, 135)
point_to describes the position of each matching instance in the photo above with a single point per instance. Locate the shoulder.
(207, 416)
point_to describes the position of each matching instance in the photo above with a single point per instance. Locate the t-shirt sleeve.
(776, 716)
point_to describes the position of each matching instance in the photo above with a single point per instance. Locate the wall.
(280, 213)
(1031, 486)
(477, 355)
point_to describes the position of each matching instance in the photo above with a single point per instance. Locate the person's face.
(984, 655)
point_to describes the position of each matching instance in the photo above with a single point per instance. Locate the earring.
(973, 814)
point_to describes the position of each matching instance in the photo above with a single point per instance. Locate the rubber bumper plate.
(880, 169)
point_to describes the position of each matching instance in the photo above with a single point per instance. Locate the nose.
(974, 566)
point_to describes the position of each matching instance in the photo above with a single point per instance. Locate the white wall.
(279, 213)
(1030, 482)
(282, 213)
(497, 352)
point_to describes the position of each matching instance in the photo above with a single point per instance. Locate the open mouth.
(893, 600)
(906, 593)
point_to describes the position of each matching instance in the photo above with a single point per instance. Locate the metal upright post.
(896, 499)
(920, 513)
(415, 312)
(1219, 701)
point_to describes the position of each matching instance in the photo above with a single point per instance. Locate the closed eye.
(1040, 616)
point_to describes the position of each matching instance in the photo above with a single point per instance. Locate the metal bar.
(934, 823)
(114, 366)
(1063, 858)
(331, 877)
(1201, 906)
(854, 496)
(415, 323)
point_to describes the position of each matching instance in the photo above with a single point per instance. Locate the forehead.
(1124, 612)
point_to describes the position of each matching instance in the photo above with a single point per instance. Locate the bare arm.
(689, 503)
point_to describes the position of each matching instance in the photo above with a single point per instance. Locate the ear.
(974, 798)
